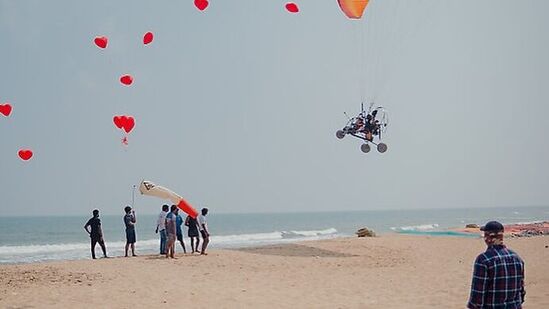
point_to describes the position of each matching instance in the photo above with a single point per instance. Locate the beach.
(390, 271)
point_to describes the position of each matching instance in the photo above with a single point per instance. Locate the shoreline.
(381, 272)
(237, 247)
(528, 229)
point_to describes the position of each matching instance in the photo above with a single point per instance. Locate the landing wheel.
(340, 134)
(381, 147)
(365, 148)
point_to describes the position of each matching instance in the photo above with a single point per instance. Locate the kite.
(5, 109)
(353, 8)
(101, 41)
(25, 154)
(126, 79)
(149, 188)
(148, 38)
(292, 7)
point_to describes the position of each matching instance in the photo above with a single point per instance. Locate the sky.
(237, 107)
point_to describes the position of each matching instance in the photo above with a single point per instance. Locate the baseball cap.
(492, 226)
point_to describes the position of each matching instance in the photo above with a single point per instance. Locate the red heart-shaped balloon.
(119, 121)
(292, 7)
(5, 109)
(101, 41)
(148, 38)
(126, 80)
(130, 123)
(124, 122)
(201, 4)
(25, 154)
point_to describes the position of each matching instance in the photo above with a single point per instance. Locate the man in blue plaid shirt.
(498, 277)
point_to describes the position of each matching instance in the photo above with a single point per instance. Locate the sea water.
(32, 239)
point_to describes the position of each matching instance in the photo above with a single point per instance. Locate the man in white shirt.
(203, 226)
(161, 226)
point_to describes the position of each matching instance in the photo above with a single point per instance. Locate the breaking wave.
(423, 227)
(70, 251)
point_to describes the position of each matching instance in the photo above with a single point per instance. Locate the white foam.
(243, 238)
(314, 233)
(41, 249)
(423, 227)
(529, 222)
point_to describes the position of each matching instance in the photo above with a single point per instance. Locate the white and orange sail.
(149, 188)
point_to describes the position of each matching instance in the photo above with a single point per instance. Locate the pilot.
(359, 124)
(369, 127)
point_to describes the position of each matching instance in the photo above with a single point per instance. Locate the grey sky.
(236, 107)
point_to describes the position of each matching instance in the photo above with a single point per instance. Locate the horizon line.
(304, 211)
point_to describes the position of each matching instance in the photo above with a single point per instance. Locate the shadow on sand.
(294, 250)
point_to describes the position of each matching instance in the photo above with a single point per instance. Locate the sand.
(391, 271)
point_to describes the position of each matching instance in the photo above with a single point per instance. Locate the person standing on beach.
(192, 224)
(129, 221)
(498, 276)
(96, 234)
(171, 231)
(161, 227)
(203, 226)
(179, 222)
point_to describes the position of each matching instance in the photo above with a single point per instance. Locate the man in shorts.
(129, 221)
(96, 234)
(171, 232)
(203, 226)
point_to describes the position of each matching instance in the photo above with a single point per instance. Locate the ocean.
(34, 239)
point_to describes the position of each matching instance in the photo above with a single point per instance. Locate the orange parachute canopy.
(353, 8)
